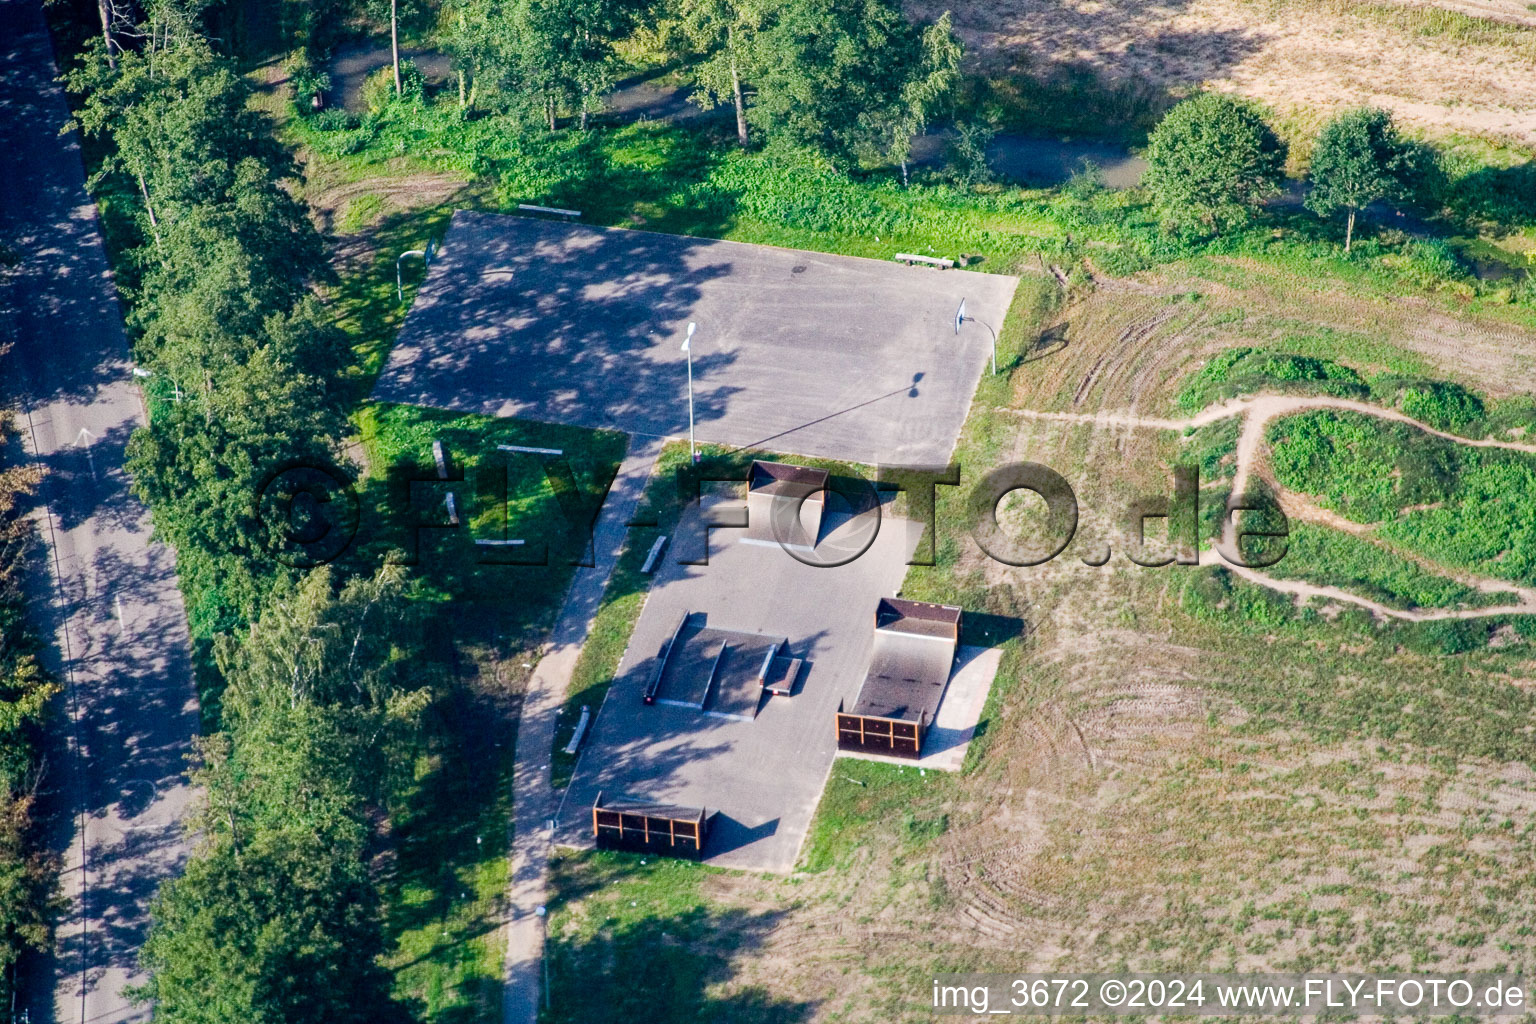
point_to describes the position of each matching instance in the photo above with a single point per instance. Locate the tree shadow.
(1109, 75)
(557, 323)
(448, 829)
(665, 966)
(1051, 341)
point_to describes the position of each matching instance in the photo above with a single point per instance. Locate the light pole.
(688, 348)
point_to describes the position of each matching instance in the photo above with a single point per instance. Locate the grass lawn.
(635, 938)
(547, 502)
(445, 889)
(446, 881)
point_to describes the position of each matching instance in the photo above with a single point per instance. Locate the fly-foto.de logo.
(314, 514)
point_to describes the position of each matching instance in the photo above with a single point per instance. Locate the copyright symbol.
(1112, 992)
(309, 513)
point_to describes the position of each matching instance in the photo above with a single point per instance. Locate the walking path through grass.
(1257, 412)
(533, 796)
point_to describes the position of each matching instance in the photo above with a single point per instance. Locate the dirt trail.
(1257, 412)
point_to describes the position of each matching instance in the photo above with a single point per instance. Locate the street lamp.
(688, 348)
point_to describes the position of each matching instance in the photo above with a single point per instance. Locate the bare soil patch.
(1302, 56)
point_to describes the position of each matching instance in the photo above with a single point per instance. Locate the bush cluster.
(1250, 370)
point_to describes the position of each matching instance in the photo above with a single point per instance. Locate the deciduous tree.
(1212, 161)
(1359, 158)
(724, 33)
(850, 79)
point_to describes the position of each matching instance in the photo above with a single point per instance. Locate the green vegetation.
(639, 938)
(1330, 558)
(550, 503)
(1211, 162)
(352, 857)
(241, 356)
(1240, 371)
(28, 878)
(850, 78)
(1357, 160)
(276, 918)
(895, 807)
(1213, 449)
(1463, 507)
(679, 178)
(351, 861)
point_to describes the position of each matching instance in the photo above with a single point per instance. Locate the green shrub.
(1427, 263)
(1444, 406)
(1364, 468)
(306, 80)
(1446, 636)
(1464, 507)
(1250, 370)
(332, 119)
(379, 87)
(965, 157)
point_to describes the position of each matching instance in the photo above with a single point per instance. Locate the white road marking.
(83, 439)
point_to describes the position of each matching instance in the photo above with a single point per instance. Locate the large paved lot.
(796, 351)
(763, 777)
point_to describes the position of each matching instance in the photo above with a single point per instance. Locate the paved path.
(534, 799)
(1257, 412)
(116, 782)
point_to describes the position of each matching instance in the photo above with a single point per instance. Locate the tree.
(28, 874)
(1212, 161)
(723, 32)
(348, 648)
(276, 918)
(1359, 158)
(201, 462)
(379, 9)
(223, 313)
(562, 50)
(179, 123)
(282, 929)
(850, 79)
(468, 35)
(927, 90)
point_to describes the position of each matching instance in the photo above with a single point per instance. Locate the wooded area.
(27, 873)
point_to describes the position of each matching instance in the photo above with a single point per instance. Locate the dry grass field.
(1159, 789)
(1461, 66)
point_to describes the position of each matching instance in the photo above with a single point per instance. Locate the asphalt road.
(796, 351)
(116, 784)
